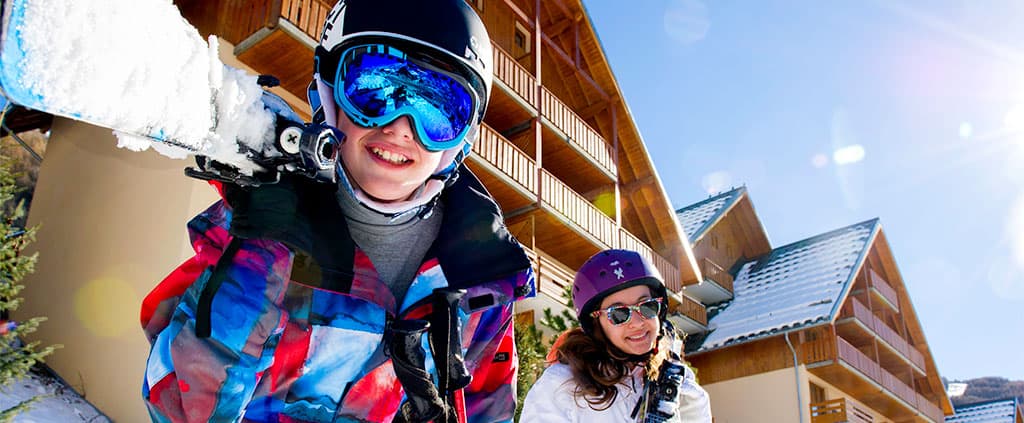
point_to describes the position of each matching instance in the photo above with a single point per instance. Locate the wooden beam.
(568, 59)
(526, 19)
(562, 7)
(593, 109)
(556, 29)
(632, 187)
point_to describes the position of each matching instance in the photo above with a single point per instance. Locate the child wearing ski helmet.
(385, 297)
(619, 365)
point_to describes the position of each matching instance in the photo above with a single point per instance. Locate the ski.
(139, 68)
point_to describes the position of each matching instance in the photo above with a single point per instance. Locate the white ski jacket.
(551, 400)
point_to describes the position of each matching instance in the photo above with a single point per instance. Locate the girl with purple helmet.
(624, 361)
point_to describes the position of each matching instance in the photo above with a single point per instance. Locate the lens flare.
(1014, 119)
(966, 130)
(1015, 229)
(605, 202)
(107, 307)
(716, 182)
(849, 154)
(819, 161)
(1006, 274)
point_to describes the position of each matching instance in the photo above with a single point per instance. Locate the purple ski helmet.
(607, 272)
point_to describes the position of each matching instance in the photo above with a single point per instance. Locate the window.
(521, 38)
(817, 393)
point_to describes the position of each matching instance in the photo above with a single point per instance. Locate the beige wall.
(767, 397)
(772, 397)
(112, 226)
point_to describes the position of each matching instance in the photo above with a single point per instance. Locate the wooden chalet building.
(560, 152)
(834, 305)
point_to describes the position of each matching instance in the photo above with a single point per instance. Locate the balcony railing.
(716, 273)
(505, 156)
(693, 310)
(514, 75)
(930, 409)
(829, 348)
(669, 272)
(577, 209)
(864, 364)
(249, 16)
(554, 277)
(854, 308)
(838, 411)
(579, 133)
(307, 15)
(884, 289)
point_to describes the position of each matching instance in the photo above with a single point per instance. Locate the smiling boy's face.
(387, 163)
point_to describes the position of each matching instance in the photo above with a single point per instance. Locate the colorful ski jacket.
(284, 351)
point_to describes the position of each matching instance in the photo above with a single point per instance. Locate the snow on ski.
(137, 67)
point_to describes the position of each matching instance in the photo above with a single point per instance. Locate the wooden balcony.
(839, 410)
(841, 364)
(882, 291)
(577, 132)
(934, 412)
(894, 349)
(578, 210)
(688, 315)
(273, 37)
(669, 272)
(554, 277)
(514, 77)
(715, 273)
(717, 285)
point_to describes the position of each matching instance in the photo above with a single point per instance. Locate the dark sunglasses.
(617, 315)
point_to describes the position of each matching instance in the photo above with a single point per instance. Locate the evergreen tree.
(16, 358)
(566, 319)
(533, 347)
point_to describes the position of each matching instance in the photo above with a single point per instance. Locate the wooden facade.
(736, 237)
(559, 148)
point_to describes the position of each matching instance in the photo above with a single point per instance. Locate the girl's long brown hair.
(597, 366)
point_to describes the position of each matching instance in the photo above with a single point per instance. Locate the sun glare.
(849, 154)
(1014, 119)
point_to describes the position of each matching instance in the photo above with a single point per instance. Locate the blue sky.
(924, 102)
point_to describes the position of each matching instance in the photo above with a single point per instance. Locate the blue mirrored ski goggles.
(376, 83)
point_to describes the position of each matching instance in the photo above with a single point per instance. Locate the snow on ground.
(60, 404)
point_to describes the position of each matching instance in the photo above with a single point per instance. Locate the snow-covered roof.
(698, 217)
(794, 286)
(998, 411)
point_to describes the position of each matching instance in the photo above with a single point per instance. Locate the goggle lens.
(377, 83)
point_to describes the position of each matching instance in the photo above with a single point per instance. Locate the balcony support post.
(615, 159)
(538, 133)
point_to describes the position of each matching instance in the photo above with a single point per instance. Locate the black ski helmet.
(448, 31)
